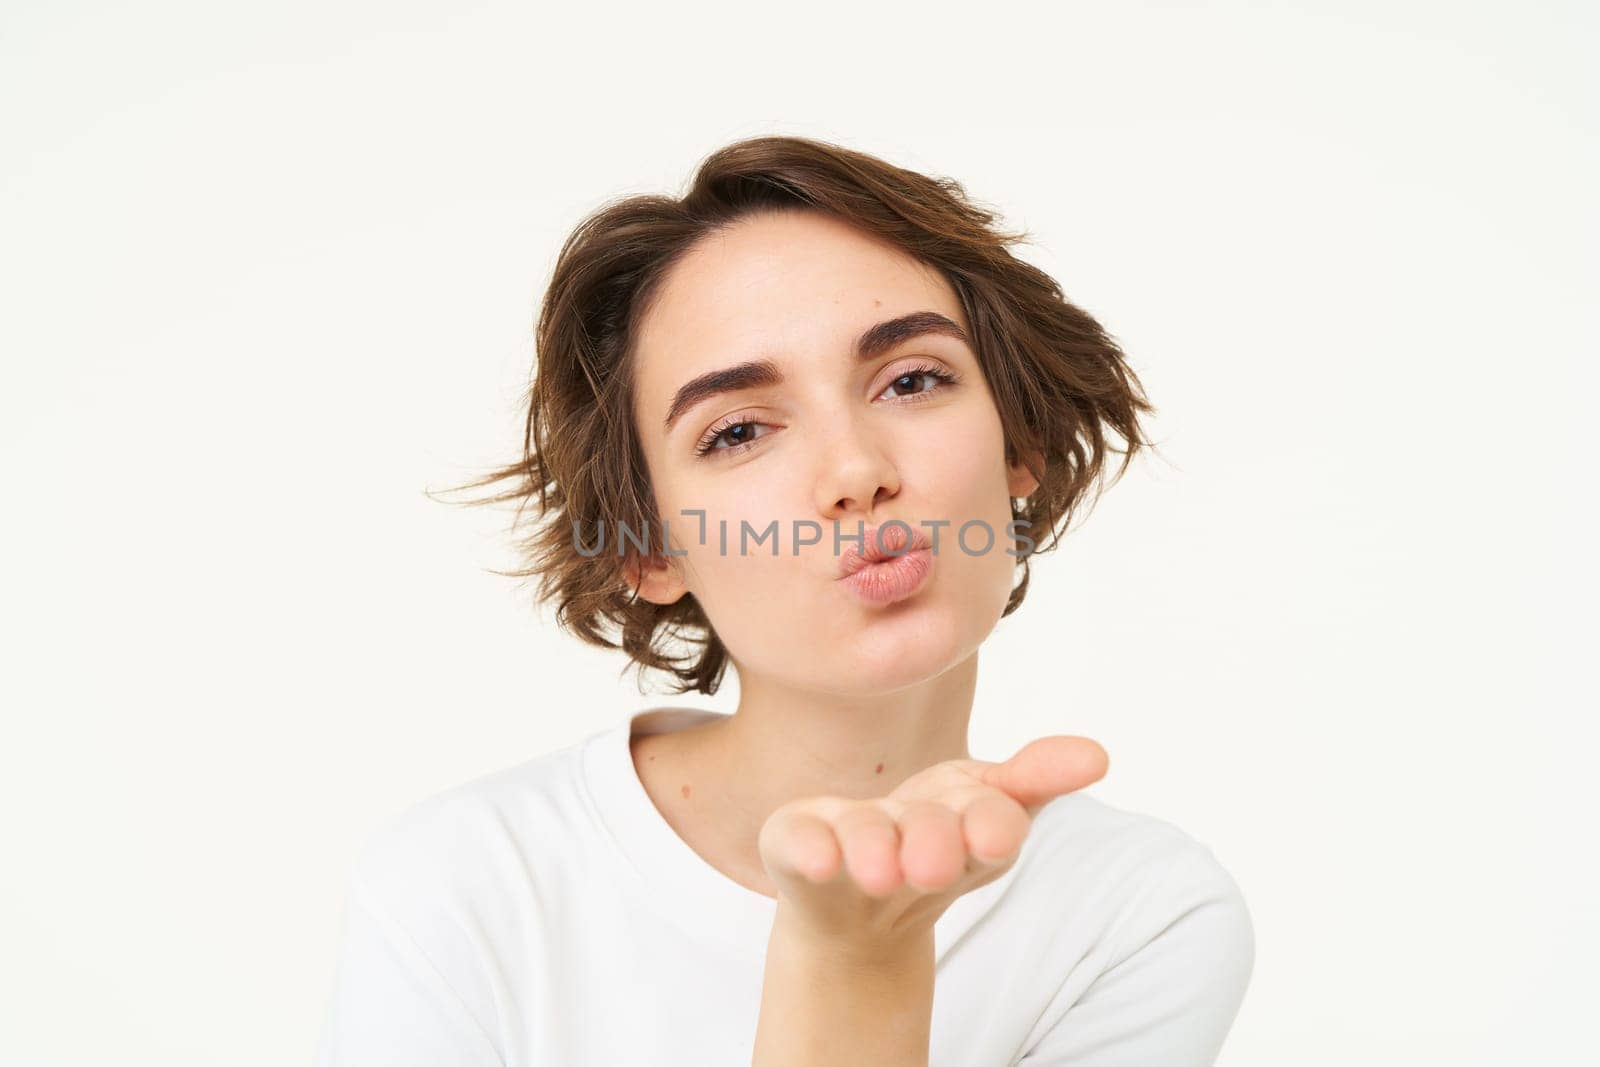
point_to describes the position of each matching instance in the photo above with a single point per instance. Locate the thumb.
(1047, 768)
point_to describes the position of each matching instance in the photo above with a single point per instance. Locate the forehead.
(796, 287)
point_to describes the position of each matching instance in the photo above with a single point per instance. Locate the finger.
(995, 826)
(870, 840)
(798, 843)
(1047, 768)
(933, 852)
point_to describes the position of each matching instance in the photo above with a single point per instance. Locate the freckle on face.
(686, 792)
(879, 770)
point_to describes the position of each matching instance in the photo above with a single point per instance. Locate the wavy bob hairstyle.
(1061, 384)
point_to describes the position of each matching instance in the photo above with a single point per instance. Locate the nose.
(856, 472)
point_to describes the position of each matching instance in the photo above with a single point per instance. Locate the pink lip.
(892, 579)
(874, 547)
(894, 570)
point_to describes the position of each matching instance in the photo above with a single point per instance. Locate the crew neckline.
(682, 881)
(672, 873)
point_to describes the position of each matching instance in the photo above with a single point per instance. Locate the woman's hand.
(874, 875)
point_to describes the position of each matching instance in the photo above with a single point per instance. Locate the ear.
(657, 579)
(1020, 481)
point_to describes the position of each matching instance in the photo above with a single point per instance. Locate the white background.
(270, 271)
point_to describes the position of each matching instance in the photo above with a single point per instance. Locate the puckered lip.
(853, 557)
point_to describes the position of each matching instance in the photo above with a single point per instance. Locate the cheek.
(724, 529)
(962, 474)
(966, 484)
(770, 611)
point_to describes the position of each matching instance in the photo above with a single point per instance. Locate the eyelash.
(945, 378)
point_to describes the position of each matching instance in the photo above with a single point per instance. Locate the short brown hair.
(1059, 380)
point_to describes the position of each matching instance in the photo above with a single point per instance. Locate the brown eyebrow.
(759, 373)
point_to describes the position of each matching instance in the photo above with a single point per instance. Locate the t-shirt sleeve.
(390, 1006)
(1180, 974)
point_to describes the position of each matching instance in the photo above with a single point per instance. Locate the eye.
(910, 377)
(739, 431)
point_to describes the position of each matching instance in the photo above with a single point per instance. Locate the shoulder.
(1141, 877)
(438, 897)
(464, 845)
(1149, 942)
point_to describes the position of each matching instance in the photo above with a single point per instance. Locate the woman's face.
(829, 438)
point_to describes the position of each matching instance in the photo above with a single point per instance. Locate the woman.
(811, 419)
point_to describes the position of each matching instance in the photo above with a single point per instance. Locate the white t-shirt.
(547, 914)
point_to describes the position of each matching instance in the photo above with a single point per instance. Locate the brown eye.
(905, 383)
(739, 433)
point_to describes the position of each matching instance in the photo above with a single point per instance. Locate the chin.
(903, 646)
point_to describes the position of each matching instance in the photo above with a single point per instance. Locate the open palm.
(884, 868)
